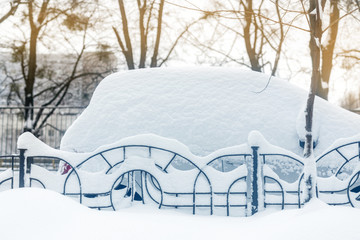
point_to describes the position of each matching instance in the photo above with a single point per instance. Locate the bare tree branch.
(178, 39)
(13, 7)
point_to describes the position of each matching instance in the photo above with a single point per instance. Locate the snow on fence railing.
(339, 169)
(149, 169)
(237, 181)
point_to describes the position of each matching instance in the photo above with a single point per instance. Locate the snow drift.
(204, 108)
(31, 213)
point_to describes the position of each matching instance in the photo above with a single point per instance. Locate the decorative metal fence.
(236, 181)
(12, 124)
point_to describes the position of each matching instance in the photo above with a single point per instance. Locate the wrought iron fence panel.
(12, 125)
(9, 171)
(338, 173)
(146, 182)
(280, 189)
(237, 181)
(340, 160)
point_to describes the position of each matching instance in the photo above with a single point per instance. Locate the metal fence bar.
(22, 168)
(2, 134)
(255, 182)
(6, 133)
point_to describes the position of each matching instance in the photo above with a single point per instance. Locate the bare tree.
(315, 24)
(328, 46)
(43, 16)
(256, 35)
(351, 101)
(150, 28)
(146, 15)
(254, 30)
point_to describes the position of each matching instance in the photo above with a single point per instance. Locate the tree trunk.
(128, 52)
(328, 51)
(35, 26)
(143, 39)
(314, 44)
(158, 35)
(30, 80)
(251, 52)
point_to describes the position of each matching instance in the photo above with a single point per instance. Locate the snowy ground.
(43, 214)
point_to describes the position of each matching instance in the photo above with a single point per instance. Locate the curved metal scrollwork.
(72, 172)
(133, 185)
(182, 180)
(10, 159)
(281, 192)
(353, 190)
(342, 158)
(229, 193)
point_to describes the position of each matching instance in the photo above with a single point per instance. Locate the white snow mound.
(204, 108)
(38, 214)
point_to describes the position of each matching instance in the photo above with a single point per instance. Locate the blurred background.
(54, 53)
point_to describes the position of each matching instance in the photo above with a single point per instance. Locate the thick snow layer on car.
(204, 108)
(38, 214)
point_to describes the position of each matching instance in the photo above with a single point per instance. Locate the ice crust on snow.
(204, 108)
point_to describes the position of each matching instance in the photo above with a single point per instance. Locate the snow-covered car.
(205, 108)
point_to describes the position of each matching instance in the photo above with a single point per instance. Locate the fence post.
(22, 168)
(29, 161)
(255, 183)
